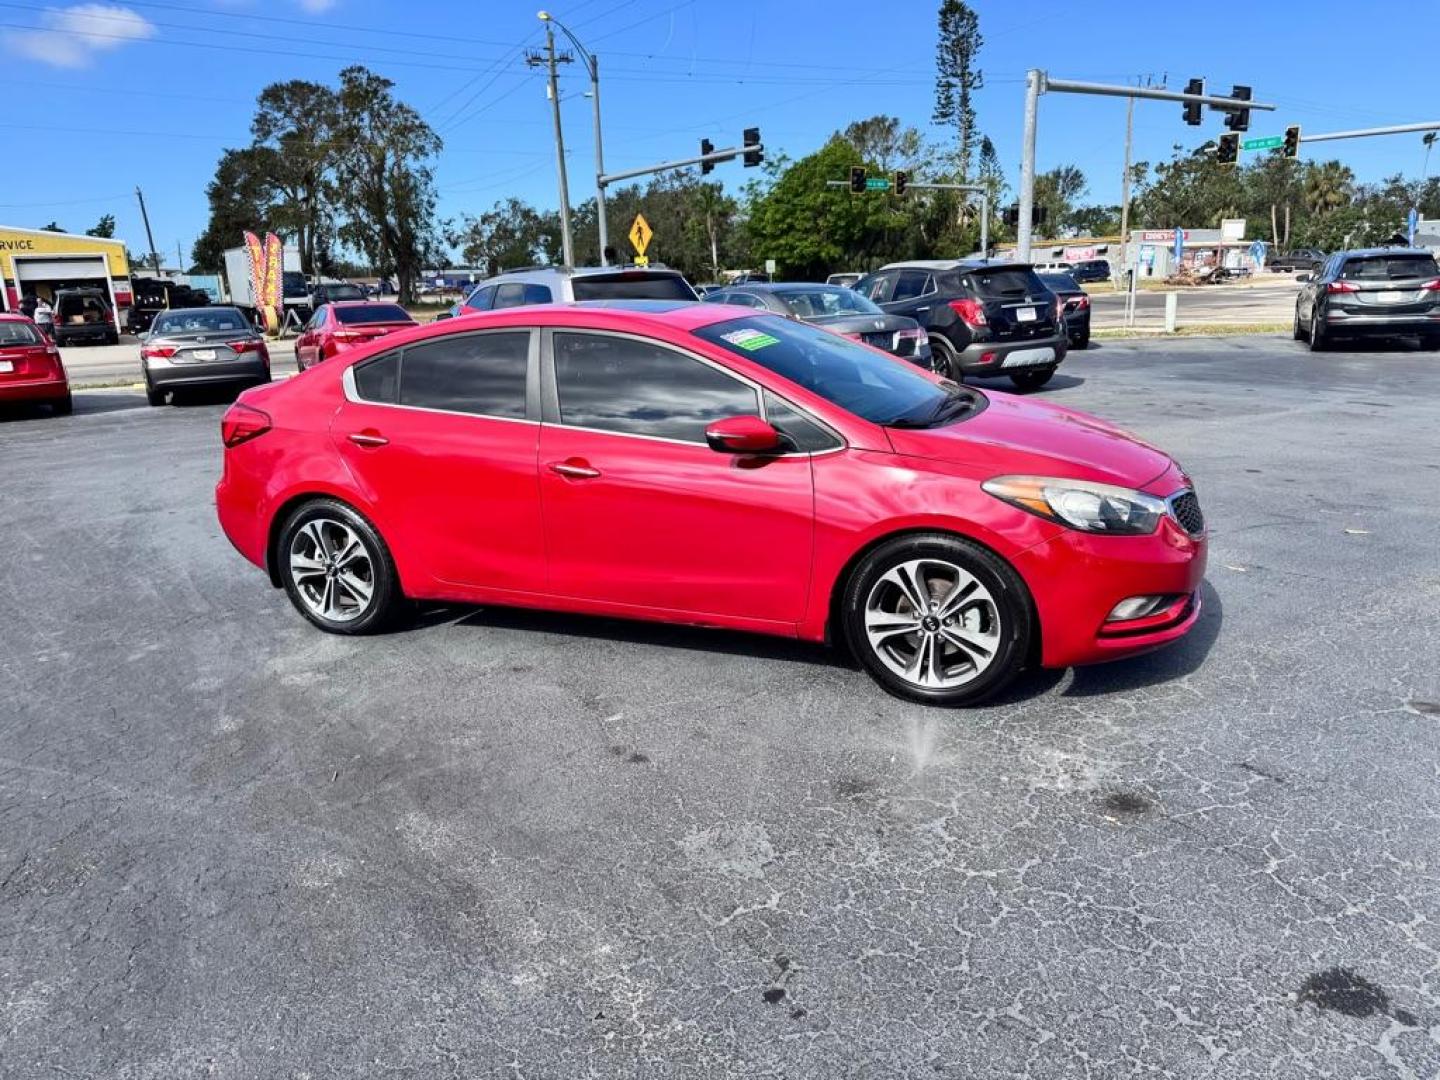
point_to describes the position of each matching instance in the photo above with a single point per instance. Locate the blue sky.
(104, 96)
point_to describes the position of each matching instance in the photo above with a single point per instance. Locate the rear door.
(1017, 304)
(442, 436)
(640, 512)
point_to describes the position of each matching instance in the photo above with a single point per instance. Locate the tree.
(298, 120)
(1328, 186)
(882, 140)
(242, 196)
(52, 227)
(957, 77)
(1057, 191)
(382, 177)
(510, 234)
(105, 227)
(1095, 220)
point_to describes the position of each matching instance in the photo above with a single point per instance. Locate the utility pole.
(179, 257)
(1125, 186)
(592, 64)
(553, 89)
(154, 255)
(1034, 87)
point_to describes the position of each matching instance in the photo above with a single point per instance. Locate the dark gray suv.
(1379, 292)
(985, 318)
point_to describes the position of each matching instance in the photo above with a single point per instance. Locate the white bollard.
(1172, 309)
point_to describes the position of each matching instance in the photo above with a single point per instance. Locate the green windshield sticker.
(750, 340)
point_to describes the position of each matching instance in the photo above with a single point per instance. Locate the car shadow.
(93, 401)
(192, 397)
(1001, 382)
(1375, 345)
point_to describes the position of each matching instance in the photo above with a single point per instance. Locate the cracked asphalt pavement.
(525, 845)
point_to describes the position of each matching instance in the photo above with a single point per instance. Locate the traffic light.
(1239, 119)
(1011, 215)
(902, 181)
(1192, 108)
(706, 147)
(1228, 151)
(857, 179)
(1292, 141)
(1039, 215)
(753, 154)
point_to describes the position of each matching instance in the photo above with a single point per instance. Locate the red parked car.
(30, 367)
(343, 325)
(712, 465)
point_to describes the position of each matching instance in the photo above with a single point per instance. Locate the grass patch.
(1192, 330)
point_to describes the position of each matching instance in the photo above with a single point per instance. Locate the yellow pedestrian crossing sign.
(640, 234)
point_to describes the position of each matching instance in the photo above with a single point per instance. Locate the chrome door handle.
(575, 472)
(368, 438)
(920, 310)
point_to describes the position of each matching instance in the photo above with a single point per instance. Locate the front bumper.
(1077, 578)
(1005, 357)
(163, 373)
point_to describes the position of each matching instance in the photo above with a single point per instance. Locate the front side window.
(910, 284)
(640, 388)
(858, 379)
(481, 299)
(510, 295)
(876, 287)
(470, 373)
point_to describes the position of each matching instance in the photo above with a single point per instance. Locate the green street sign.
(1269, 142)
(882, 183)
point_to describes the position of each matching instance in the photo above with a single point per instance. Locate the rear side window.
(378, 380)
(371, 313)
(1004, 283)
(471, 373)
(535, 293)
(632, 285)
(637, 388)
(511, 295)
(18, 333)
(1390, 268)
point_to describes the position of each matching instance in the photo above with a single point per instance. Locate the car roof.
(362, 303)
(207, 307)
(1382, 252)
(955, 264)
(587, 271)
(776, 286)
(15, 316)
(683, 315)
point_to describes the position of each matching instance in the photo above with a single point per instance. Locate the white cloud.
(317, 7)
(73, 35)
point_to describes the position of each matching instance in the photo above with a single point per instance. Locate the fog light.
(987, 358)
(1136, 607)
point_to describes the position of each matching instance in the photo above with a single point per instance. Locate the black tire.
(64, 407)
(1318, 341)
(945, 363)
(154, 396)
(1033, 379)
(1298, 333)
(1082, 342)
(1005, 616)
(1430, 341)
(112, 339)
(331, 517)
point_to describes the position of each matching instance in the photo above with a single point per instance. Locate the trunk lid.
(880, 331)
(1018, 306)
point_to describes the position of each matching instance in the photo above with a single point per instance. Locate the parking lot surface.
(529, 845)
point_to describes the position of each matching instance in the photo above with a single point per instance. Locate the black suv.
(83, 315)
(1290, 261)
(985, 318)
(1379, 292)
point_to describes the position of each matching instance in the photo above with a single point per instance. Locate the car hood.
(1020, 436)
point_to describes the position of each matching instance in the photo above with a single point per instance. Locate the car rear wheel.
(1298, 332)
(937, 619)
(64, 407)
(1318, 341)
(1033, 379)
(154, 395)
(337, 570)
(1082, 342)
(943, 360)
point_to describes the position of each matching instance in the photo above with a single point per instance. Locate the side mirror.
(1302, 277)
(742, 435)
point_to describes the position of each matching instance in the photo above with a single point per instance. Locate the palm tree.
(1328, 186)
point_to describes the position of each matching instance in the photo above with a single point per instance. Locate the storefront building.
(36, 262)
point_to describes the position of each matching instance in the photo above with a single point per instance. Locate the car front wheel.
(937, 619)
(337, 570)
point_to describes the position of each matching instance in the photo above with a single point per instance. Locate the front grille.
(1186, 509)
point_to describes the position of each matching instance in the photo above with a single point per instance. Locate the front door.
(443, 437)
(639, 511)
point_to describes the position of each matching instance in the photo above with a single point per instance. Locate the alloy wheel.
(932, 623)
(333, 572)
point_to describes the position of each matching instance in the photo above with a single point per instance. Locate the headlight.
(1098, 508)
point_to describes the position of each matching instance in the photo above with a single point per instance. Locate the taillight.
(348, 335)
(160, 352)
(1059, 308)
(1433, 285)
(241, 423)
(972, 311)
(1342, 286)
(1082, 302)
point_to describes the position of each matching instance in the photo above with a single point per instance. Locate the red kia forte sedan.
(345, 324)
(30, 367)
(714, 466)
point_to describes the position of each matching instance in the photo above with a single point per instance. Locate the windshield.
(18, 333)
(343, 292)
(632, 286)
(1390, 268)
(821, 303)
(860, 380)
(210, 320)
(292, 283)
(372, 313)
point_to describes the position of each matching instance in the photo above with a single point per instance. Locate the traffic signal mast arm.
(666, 166)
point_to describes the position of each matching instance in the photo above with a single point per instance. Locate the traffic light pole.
(666, 166)
(1037, 83)
(1360, 133)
